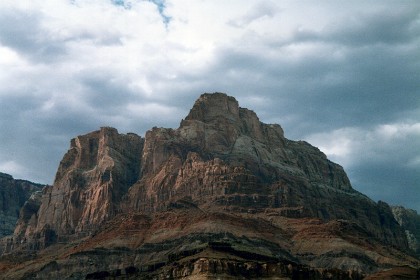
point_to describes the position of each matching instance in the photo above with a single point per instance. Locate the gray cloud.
(258, 11)
(382, 161)
(383, 27)
(22, 31)
(362, 87)
(392, 183)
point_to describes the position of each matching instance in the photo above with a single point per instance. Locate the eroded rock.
(133, 202)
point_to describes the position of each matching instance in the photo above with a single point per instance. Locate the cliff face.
(221, 155)
(91, 179)
(13, 194)
(222, 176)
(223, 135)
(410, 222)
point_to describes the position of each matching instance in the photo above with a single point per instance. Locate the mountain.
(13, 195)
(224, 195)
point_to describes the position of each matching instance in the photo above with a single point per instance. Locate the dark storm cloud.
(391, 183)
(393, 26)
(359, 73)
(23, 137)
(356, 75)
(379, 160)
(328, 92)
(386, 27)
(104, 94)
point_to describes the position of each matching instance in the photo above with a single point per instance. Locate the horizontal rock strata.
(222, 182)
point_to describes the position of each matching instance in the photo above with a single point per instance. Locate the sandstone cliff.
(90, 181)
(224, 183)
(13, 194)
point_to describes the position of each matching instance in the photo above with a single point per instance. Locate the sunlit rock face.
(91, 179)
(222, 186)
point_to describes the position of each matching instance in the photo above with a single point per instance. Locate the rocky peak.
(219, 108)
(216, 125)
(210, 107)
(85, 150)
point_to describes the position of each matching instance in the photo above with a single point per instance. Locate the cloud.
(399, 26)
(22, 31)
(378, 160)
(11, 167)
(369, 145)
(258, 11)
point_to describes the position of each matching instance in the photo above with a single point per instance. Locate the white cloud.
(12, 167)
(8, 57)
(258, 11)
(387, 142)
(397, 131)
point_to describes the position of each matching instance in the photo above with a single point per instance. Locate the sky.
(342, 75)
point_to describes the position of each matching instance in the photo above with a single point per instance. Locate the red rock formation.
(222, 176)
(90, 182)
(223, 154)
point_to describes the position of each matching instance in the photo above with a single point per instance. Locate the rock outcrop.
(90, 182)
(410, 222)
(222, 194)
(13, 195)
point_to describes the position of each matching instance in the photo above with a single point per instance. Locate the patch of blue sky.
(122, 3)
(159, 3)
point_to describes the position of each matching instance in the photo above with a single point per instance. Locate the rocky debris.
(211, 268)
(223, 177)
(13, 194)
(215, 268)
(400, 272)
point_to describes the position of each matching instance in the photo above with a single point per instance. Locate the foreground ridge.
(222, 195)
